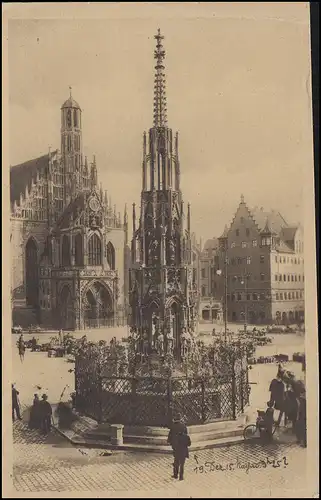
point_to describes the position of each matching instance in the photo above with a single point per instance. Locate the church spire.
(160, 109)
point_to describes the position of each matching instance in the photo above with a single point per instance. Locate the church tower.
(71, 148)
(163, 296)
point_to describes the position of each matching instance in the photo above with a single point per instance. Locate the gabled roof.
(23, 174)
(210, 244)
(225, 232)
(272, 219)
(283, 247)
(74, 208)
(288, 233)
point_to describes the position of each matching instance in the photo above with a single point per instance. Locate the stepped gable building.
(265, 268)
(68, 243)
(163, 294)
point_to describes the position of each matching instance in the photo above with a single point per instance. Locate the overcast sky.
(237, 92)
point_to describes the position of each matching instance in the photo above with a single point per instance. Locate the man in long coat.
(45, 414)
(180, 441)
(15, 403)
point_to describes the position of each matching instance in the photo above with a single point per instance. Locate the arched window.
(78, 250)
(94, 251)
(32, 285)
(65, 251)
(75, 118)
(111, 255)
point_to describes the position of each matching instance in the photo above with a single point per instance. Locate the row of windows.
(58, 179)
(58, 192)
(40, 203)
(289, 295)
(261, 296)
(247, 232)
(94, 251)
(34, 214)
(242, 279)
(72, 143)
(59, 204)
(244, 244)
(249, 296)
(242, 260)
(43, 190)
(288, 277)
(72, 119)
(288, 260)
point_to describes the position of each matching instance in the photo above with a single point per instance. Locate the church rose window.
(94, 250)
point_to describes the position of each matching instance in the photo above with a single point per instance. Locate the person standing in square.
(180, 441)
(15, 403)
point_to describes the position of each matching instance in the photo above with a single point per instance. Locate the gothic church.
(68, 243)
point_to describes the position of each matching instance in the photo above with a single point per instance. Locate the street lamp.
(244, 282)
(211, 309)
(219, 272)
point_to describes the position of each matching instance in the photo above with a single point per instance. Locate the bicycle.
(251, 430)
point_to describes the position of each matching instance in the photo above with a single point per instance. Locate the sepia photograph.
(159, 276)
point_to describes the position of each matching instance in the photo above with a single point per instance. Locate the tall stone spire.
(160, 107)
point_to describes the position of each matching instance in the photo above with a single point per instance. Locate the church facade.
(163, 288)
(68, 244)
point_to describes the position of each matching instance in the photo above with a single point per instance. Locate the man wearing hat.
(45, 412)
(179, 440)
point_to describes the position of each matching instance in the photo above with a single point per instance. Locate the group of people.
(40, 412)
(290, 402)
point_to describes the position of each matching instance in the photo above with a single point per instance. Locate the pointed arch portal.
(67, 317)
(111, 255)
(98, 306)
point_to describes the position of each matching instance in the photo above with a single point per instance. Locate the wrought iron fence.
(119, 320)
(154, 401)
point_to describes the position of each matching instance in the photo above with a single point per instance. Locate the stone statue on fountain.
(170, 340)
(185, 343)
(145, 343)
(160, 343)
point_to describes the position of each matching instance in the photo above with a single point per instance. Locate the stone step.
(91, 443)
(158, 436)
(196, 438)
(162, 440)
(193, 429)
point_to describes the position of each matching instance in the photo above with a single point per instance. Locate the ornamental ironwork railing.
(118, 320)
(154, 401)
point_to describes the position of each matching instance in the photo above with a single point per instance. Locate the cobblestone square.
(52, 464)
